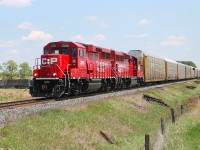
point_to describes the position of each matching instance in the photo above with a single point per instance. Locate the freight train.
(71, 68)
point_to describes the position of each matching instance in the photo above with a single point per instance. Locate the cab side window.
(82, 53)
(74, 52)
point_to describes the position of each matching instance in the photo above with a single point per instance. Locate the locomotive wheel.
(113, 85)
(128, 83)
(104, 87)
(119, 86)
(74, 89)
(75, 92)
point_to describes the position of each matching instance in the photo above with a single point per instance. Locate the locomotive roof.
(78, 45)
(69, 42)
(95, 48)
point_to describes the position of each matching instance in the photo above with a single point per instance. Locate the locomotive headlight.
(54, 74)
(35, 74)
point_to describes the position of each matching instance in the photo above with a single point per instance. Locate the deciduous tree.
(189, 63)
(25, 70)
(9, 70)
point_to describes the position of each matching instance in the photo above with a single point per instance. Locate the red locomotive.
(73, 68)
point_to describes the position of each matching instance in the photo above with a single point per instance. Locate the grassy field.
(14, 94)
(126, 118)
(184, 135)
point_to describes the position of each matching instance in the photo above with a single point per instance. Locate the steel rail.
(23, 102)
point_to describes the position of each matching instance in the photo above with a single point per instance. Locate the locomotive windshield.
(65, 51)
(55, 51)
(46, 51)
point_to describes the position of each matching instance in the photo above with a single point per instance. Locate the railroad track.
(23, 103)
(14, 104)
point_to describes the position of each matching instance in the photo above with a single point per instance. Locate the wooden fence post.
(147, 142)
(173, 115)
(182, 110)
(163, 126)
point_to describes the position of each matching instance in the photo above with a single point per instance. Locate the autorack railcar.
(171, 70)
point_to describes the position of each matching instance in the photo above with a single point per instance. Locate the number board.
(53, 45)
(65, 45)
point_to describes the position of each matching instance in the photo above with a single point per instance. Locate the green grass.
(6, 97)
(126, 118)
(176, 95)
(192, 136)
(184, 135)
(62, 129)
(14, 94)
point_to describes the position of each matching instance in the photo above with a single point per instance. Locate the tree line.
(189, 63)
(10, 70)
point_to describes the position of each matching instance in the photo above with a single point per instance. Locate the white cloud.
(37, 35)
(91, 18)
(104, 25)
(8, 44)
(174, 41)
(26, 26)
(99, 37)
(12, 52)
(15, 3)
(78, 38)
(144, 22)
(89, 40)
(151, 47)
(138, 36)
(98, 21)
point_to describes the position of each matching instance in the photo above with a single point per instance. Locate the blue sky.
(168, 29)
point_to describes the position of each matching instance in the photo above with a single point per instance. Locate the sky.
(168, 29)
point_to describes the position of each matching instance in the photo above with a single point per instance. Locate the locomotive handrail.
(36, 63)
(115, 72)
(59, 69)
(68, 77)
(62, 73)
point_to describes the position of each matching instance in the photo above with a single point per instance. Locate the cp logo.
(49, 60)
